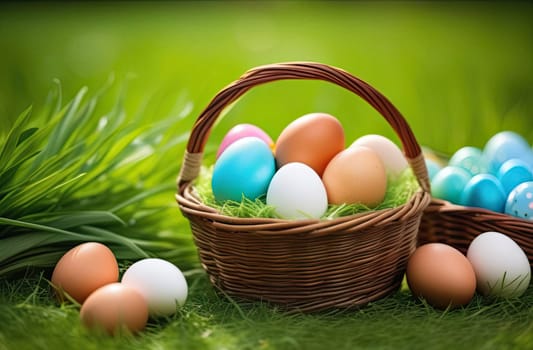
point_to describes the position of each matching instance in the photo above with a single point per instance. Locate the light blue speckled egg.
(469, 158)
(520, 201)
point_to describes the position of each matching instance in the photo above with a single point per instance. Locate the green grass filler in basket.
(357, 211)
(309, 170)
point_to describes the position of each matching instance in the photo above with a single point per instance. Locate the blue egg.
(433, 168)
(513, 172)
(469, 158)
(528, 158)
(503, 146)
(520, 201)
(484, 191)
(449, 182)
(245, 168)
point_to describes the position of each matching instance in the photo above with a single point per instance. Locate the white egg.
(391, 155)
(297, 192)
(160, 282)
(501, 266)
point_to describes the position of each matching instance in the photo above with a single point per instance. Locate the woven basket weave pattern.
(304, 265)
(458, 225)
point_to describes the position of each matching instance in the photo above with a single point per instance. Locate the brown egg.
(441, 275)
(114, 308)
(83, 269)
(312, 139)
(356, 175)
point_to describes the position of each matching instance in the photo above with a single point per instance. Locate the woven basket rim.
(478, 214)
(191, 204)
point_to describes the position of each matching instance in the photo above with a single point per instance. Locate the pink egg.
(243, 130)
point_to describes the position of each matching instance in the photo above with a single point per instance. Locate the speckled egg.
(520, 201)
(469, 158)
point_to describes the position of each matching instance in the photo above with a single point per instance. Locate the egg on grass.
(160, 282)
(501, 266)
(115, 308)
(441, 275)
(83, 269)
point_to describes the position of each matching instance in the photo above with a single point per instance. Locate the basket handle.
(192, 160)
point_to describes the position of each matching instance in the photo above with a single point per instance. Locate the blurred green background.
(459, 72)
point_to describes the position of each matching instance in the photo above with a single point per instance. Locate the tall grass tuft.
(70, 174)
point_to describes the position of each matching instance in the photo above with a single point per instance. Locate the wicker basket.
(304, 265)
(457, 226)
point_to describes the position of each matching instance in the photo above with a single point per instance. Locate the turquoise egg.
(503, 146)
(245, 168)
(469, 158)
(433, 168)
(449, 182)
(513, 172)
(484, 191)
(520, 201)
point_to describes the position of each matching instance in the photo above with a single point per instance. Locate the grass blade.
(69, 219)
(66, 125)
(13, 138)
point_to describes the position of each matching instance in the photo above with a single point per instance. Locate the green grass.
(31, 320)
(71, 175)
(459, 73)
